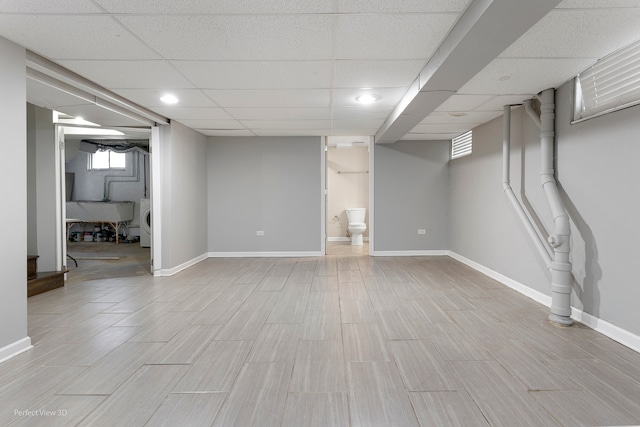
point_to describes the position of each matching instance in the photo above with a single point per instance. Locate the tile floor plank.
(319, 367)
(216, 369)
(447, 408)
(316, 410)
(188, 409)
(257, 398)
(138, 398)
(378, 397)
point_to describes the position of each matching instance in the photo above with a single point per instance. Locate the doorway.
(348, 182)
(107, 183)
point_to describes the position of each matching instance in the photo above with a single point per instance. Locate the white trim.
(610, 330)
(372, 175)
(517, 286)
(179, 268)
(607, 329)
(323, 194)
(412, 253)
(274, 254)
(155, 166)
(12, 350)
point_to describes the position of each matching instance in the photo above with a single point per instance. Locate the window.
(102, 160)
(610, 84)
(461, 145)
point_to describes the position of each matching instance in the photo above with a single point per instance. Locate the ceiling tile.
(376, 73)
(391, 36)
(280, 113)
(463, 102)
(388, 97)
(525, 75)
(467, 118)
(429, 136)
(257, 74)
(48, 6)
(371, 124)
(235, 37)
(212, 124)
(270, 98)
(584, 34)
(401, 6)
(196, 113)
(130, 74)
(292, 132)
(73, 37)
(232, 132)
(151, 97)
(217, 6)
(353, 132)
(286, 124)
(365, 112)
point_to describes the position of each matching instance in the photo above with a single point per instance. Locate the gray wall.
(13, 192)
(599, 172)
(411, 185)
(597, 169)
(268, 184)
(483, 225)
(184, 190)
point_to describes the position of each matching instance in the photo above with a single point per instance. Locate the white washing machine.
(145, 223)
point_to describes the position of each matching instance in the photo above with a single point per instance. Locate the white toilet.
(357, 226)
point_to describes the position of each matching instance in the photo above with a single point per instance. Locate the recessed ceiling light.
(366, 99)
(505, 78)
(457, 114)
(169, 99)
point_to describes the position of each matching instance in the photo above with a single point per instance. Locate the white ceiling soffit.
(45, 72)
(483, 31)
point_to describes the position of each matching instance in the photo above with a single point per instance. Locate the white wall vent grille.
(461, 145)
(610, 84)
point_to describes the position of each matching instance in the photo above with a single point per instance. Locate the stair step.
(32, 266)
(45, 281)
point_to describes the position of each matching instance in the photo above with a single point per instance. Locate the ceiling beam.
(484, 31)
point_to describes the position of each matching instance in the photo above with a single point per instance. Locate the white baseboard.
(411, 253)
(517, 286)
(171, 271)
(273, 254)
(14, 349)
(338, 239)
(610, 330)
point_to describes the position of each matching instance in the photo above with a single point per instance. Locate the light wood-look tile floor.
(330, 341)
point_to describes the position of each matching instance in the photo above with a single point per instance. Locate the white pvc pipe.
(559, 240)
(506, 185)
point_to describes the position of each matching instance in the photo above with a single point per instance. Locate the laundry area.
(108, 211)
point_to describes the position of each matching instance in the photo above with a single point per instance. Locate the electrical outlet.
(422, 231)
(259, 233)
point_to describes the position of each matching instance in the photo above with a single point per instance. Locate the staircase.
(43, 281)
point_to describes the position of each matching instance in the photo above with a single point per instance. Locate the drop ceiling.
(294, 67)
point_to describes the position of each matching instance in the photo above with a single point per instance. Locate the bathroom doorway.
(347, 161)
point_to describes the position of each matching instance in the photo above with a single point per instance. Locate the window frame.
(90, 162)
